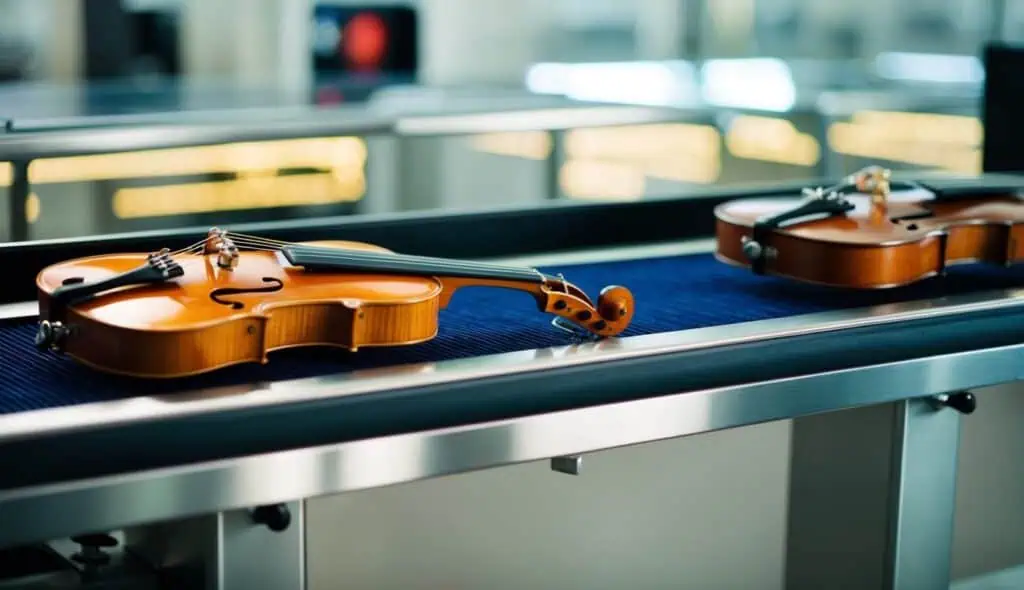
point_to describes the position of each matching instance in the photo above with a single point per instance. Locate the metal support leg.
(553, 165)
(18, 202)
(236, 550)
(872, 496)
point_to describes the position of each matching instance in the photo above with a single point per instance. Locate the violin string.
(388, 259)
(338, 254)
(254, 245)
(328, 254)
(323, 255)
(188, 249)
(400, 266)
(267, 241)
(353, 254)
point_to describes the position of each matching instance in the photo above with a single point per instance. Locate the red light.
(365, 40)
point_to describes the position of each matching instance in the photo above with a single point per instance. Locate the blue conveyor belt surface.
(672, 293)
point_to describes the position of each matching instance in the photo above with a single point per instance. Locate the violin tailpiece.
(158, 268)
(817, 203)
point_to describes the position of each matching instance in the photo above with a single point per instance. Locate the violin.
(871, 231)
(233, 298)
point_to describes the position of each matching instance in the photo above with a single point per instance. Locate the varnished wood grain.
(178, 328)
(871, 247)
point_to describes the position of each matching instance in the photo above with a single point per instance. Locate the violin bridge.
(875, 181)
(220, 245)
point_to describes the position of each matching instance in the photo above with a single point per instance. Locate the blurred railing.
(198, 162)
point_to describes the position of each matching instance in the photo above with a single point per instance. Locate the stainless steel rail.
(45, 512)
(227, 487)
(128, 136)
(149, 132)
(230, 487)
(140, 410)
(22, 147)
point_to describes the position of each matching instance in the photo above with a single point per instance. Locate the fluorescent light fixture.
(763, 84)
(930, 67)
(668, 83)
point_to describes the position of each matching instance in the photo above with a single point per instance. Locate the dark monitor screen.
(1003, 108)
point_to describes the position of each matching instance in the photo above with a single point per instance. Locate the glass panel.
(250, 181)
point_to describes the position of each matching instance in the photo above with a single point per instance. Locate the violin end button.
(752, 250)
(50, 335)
(44, 335)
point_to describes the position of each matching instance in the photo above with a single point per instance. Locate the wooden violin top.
(197, 298)
(865, 233)
(907, 217)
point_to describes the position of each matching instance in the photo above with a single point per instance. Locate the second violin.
(232, 298)
(871, 232)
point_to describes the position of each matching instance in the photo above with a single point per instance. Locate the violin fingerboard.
(946, 187)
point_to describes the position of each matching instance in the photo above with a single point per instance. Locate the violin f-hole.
(911, 216)
(217, 294)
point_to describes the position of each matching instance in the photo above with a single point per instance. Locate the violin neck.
(985, 185)
(315, 258)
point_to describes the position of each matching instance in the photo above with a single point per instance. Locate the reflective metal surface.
(120, 134)
(880, 483)
(921, 530)
(227, 550)
(46, 422)
(538, 120)
(47, 511)
(83, 141)
(1012, 577)
(103, 503)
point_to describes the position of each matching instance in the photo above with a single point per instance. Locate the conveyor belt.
(672, 293)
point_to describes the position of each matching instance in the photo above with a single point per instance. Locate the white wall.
(705, 512)
(53, 29)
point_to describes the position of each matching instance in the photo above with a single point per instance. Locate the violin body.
(209, 314)
(873, 237)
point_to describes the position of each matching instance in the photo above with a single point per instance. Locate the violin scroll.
(609, 317)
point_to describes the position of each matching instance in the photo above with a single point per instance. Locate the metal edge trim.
(541, 119)
(55, 421)
(385, 461)
(48, 143)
